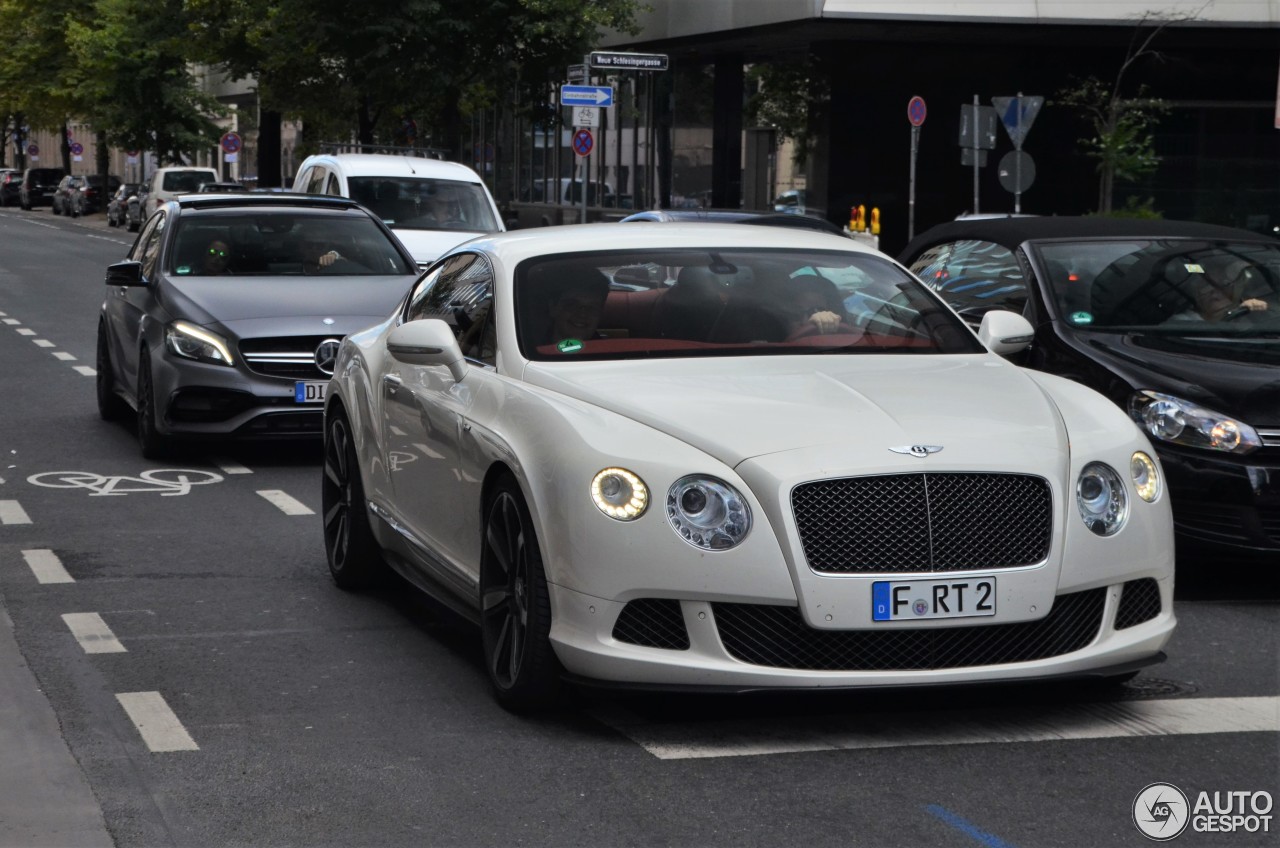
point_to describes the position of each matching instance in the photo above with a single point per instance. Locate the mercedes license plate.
(309, 392)
(908, 600)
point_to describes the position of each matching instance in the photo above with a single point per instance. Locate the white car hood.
(735, 413)
(427, 245)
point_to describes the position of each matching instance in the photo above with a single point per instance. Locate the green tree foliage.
(132, 76)
(789, 97)
(35, 66)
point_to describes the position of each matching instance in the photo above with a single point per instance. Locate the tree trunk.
(269, 161)
(66, 148)
(103, 155)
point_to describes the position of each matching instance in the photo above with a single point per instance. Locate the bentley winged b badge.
(920, 451)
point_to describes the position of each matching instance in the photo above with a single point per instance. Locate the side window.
(300, 180)
(460, 293)
(149, 245)
(333, 188)
(972, 273)
(315, 185)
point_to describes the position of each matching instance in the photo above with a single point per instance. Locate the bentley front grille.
(923, 522)
(779, 637)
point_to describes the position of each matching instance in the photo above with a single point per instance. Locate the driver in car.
(1219, 294)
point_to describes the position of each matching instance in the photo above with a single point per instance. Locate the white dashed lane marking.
(230, 466)
(157, 724)
(286, 503)
(11, 512)
(12, 322)
(43, 343)
(26, 331)
(85, 370)
(92, 633)
(1175, 717)
(65, 357)
(46, 566)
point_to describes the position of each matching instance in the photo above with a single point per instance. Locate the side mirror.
(127, 273)
(1005, 332)
(428, 341)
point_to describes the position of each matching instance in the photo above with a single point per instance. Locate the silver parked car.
(225, 317)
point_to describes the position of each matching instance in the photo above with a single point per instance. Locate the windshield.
(284, 244)
(1167, 286)
(727, 303)
(418, 203)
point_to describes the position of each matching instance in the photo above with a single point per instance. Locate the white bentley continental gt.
(731, 458)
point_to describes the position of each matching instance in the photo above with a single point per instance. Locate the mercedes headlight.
(708, 513)
(192, 342)
(1146, 476)
(1101, 499)
(1172, 419)
(620, 494)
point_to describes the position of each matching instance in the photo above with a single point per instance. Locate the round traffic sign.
(231, 142)
(916, 111)
(77, 148)
(133, 153)
(33, 150)
(1017, 171)
(583, 141)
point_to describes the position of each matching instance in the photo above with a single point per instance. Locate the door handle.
(392, 382)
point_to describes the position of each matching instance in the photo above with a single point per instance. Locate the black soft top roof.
(1011, 232)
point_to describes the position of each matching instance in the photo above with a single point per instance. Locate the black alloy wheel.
(355, 561)
(515, 606)
(111, 406)
(153, 444)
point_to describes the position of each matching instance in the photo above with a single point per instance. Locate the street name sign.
(586, 95)
(629, 61)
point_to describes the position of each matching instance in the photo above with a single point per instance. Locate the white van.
(431, 205)
(168, 183)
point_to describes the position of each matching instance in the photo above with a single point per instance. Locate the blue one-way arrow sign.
(586, 95)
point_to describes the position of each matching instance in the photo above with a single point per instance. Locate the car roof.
(741, 216)
(275, 200)
(391, 165)
(1012, 232)
(518, 245)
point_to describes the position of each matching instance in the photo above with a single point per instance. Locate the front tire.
(355, 561)
(154, 445)
(110, 406)
(515, 606)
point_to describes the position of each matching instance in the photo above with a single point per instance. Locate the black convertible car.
(1178, 322)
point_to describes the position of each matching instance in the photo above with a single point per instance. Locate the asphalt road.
(176, 668)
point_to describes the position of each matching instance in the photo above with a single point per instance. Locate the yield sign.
(1017, 114)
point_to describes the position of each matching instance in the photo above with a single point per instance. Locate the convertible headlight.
(620, 494)
(708, 513)
(192, 342)
(1182, 422)
(1101, 499)
(1146, 476)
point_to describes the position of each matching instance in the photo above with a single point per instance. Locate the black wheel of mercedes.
(110, 405)
(355, 561)
(515, 606)
(154, 445)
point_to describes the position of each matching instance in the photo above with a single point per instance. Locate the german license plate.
(309, 392)
(908, 600)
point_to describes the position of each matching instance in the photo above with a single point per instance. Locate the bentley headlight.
(1172, 419)
(192, 342)
(1101, 499)
(708, 513)
(1146, 476)
(620, 494)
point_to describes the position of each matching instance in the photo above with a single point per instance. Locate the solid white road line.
(65, 357)
(43, 343)
(1174, 717)
(230, 466)
(26, 331)
(11, 512)
(85, 370)
(158, 725)
(92, 633)
(46, 566)
(285, 503)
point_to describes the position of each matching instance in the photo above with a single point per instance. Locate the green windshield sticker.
(1193, 268)
(182, 269)
(569, 346)
(1081, 318)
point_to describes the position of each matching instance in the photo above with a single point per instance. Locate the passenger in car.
(575, 302)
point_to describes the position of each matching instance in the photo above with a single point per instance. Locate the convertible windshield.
(274, 244)
(633, 304)
(1167, 286)
(417, 203)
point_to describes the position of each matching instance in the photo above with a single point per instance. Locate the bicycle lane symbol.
(169, 482)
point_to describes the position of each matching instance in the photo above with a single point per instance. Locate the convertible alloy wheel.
(110, 405)
(515, 607)
(354, 559)
(153, 444)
